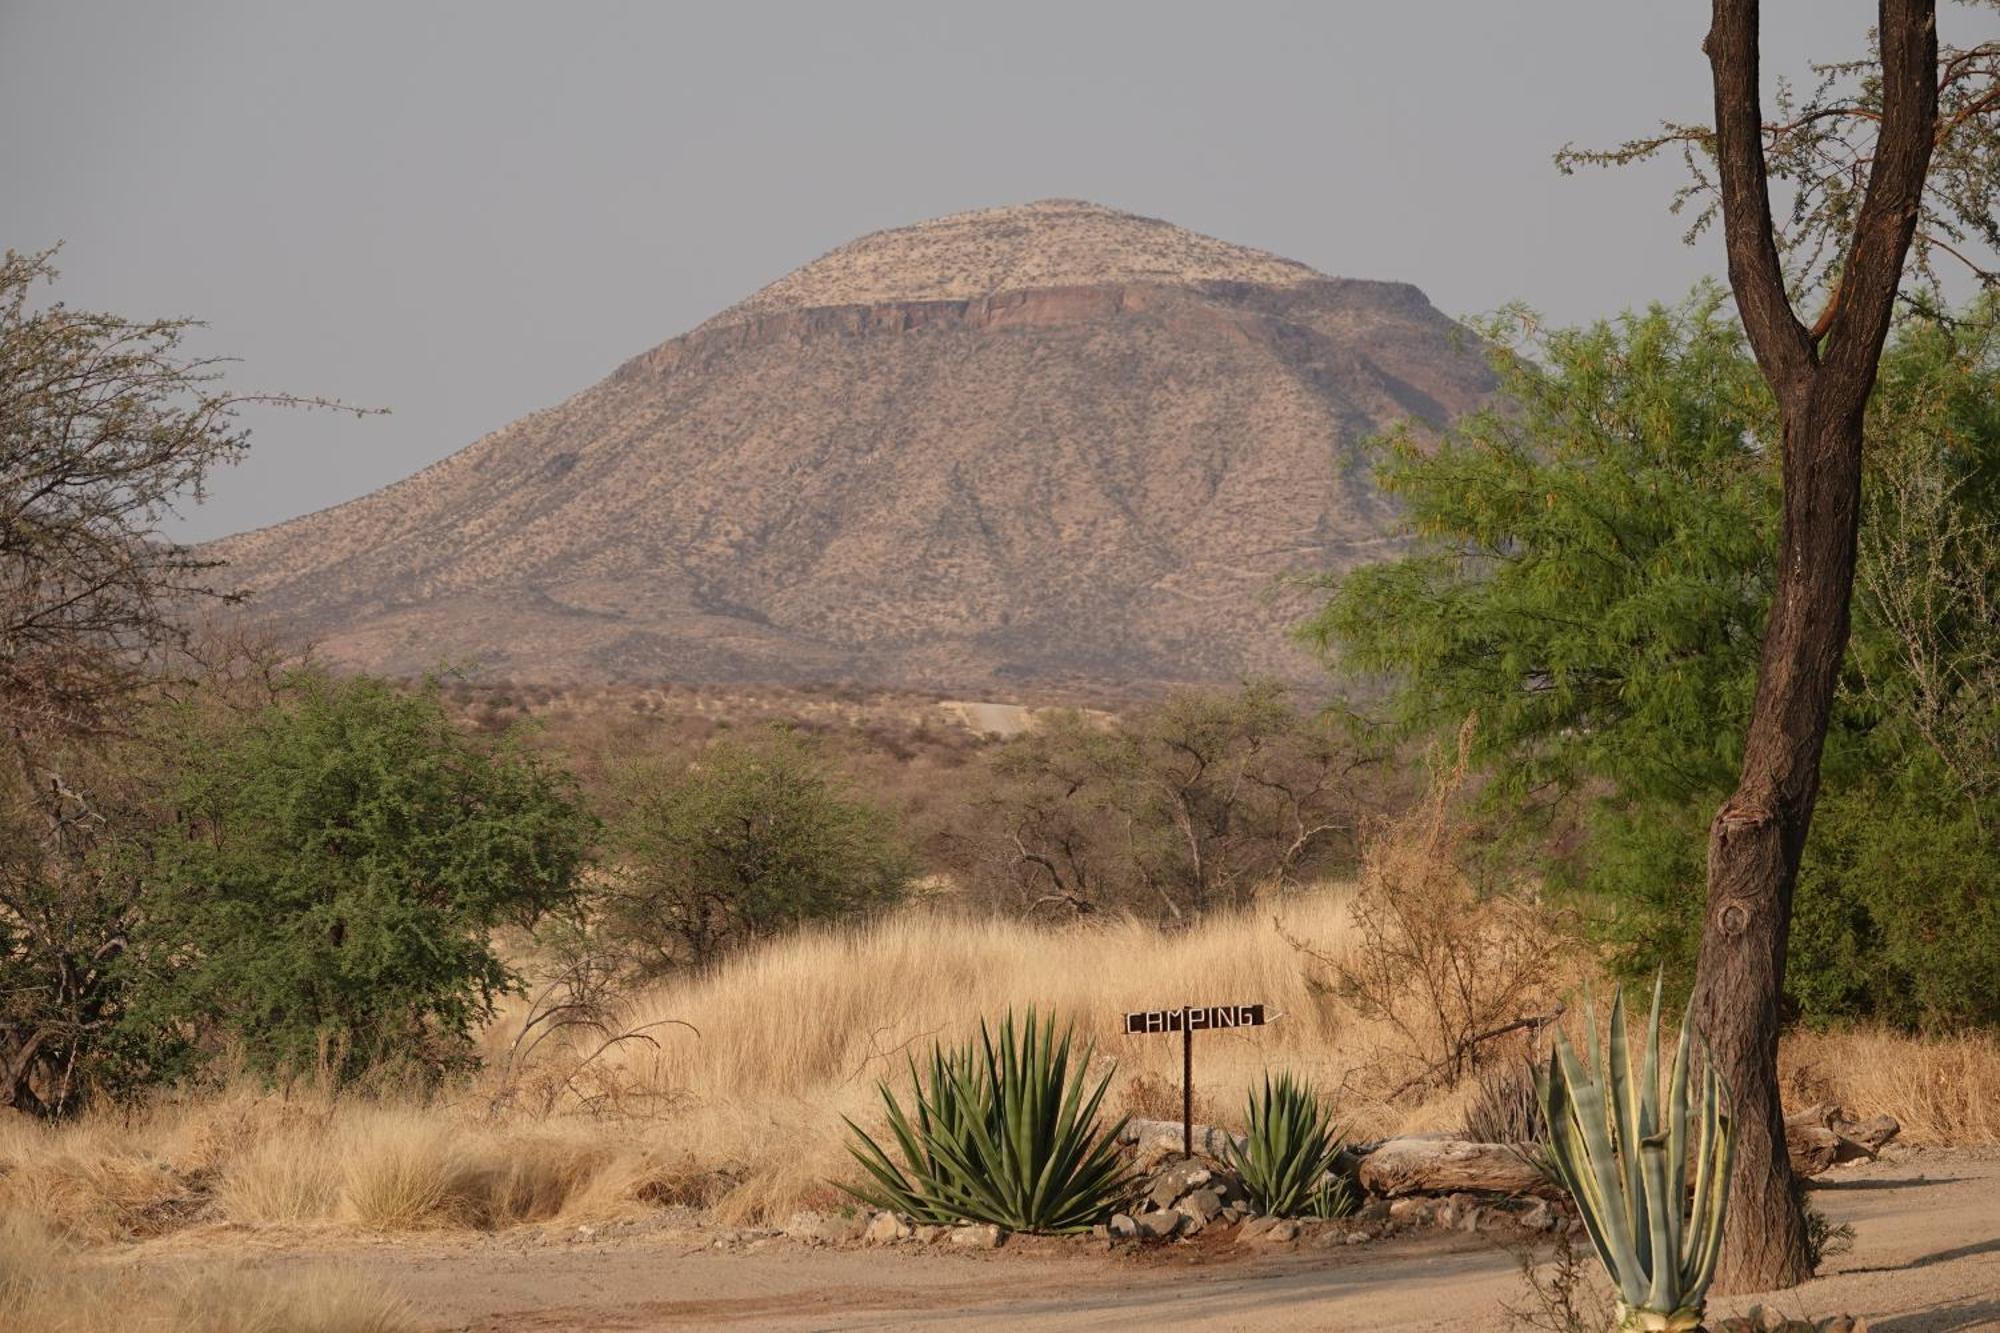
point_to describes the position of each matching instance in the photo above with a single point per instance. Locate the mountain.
(1044, 443)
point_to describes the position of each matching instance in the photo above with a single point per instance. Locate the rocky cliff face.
(1037, 444)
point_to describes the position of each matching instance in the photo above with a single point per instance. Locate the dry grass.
(47, 1287)
(1944, 1090)
(744, 1118)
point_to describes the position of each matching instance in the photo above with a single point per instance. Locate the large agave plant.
(1622, 1149)
(1289, 1145)
(1005, 1131)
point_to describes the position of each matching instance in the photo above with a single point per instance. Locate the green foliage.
(1621, 1148)
(340, 863)
(1289, 1148)
(1005, 1132)
(1590, 575)
(1191, 804)
(752, 840)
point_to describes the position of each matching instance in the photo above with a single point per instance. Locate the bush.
(330, 893)
(1190, 805)
(1004, 1133)
(1288, 1153)
(752, 840)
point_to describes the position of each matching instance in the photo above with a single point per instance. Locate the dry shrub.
(1440, 963)
(1944, 1090)
(46, 1287)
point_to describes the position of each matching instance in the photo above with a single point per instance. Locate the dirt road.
(1926, 1257)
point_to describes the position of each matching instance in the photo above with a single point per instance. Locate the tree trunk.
(1756, 839)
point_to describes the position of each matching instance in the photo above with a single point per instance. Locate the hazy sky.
(463, 212)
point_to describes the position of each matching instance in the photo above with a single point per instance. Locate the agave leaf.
(1598, 1161)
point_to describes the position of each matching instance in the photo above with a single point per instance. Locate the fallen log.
(1398, 1167)
(1821, 1137)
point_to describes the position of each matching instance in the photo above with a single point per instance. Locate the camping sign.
(1187, 1020)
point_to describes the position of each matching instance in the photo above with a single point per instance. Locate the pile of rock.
(869, 1226)
(1181, 1199)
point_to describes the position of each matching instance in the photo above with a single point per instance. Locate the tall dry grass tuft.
(1945, 1090)
(47, 1287)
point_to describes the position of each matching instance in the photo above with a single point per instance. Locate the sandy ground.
(1926, 1257)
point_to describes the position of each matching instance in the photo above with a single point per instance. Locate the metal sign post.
(1184, 1021)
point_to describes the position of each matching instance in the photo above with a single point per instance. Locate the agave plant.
(1622, 1150)
(1005, 1132)
(1289, 1146)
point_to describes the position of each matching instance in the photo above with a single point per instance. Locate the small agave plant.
(1623, 1151)
(1288, 1148)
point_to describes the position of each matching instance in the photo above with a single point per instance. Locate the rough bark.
(1822, 391)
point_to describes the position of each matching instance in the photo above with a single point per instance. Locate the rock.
(1176, 1182)
(1158, 1224)
(1252, 1229)
(1100, 1232)
(930, 1235)
(1538, 1217)
(1235, 1210)
(1191, 1223)
(1375, 1210)
(1361, 1237)
(1156, 1141)
(1472, 1217)
(826, 1228)
(887, 1229)
(977, 1236)
(1840, 1323)
(1205, 1204)
(1412, 1212)
(1272, 1230)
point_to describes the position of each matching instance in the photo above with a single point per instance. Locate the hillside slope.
(1047, 442)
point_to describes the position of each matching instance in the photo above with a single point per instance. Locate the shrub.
(330, 892)
(1005, 1132)
(1288, 1153)
(1190, 805)
(752, 840)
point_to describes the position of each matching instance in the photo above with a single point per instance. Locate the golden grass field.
(740, 1112)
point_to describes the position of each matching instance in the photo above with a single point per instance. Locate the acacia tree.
(1857, 159)
(105, 423)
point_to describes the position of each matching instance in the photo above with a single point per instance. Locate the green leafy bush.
(1288, 1153)
(751, 840)
(330, 891)
(1589, 575)
(1005, 1131)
